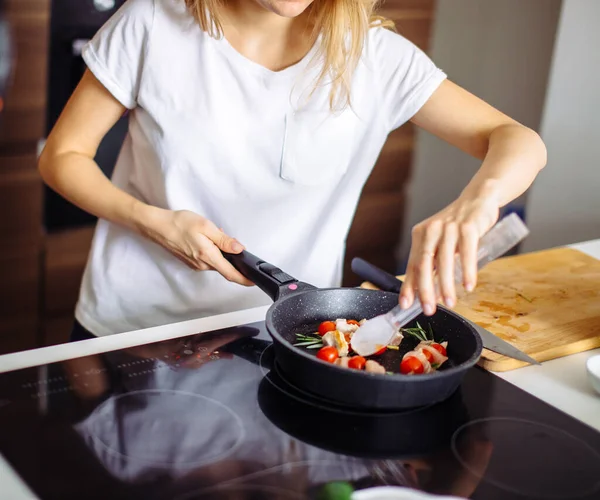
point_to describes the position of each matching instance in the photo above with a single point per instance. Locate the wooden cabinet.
(64, 260)
(21, 193)
(20, 251)
(23, 118)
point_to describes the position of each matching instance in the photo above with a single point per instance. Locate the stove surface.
(211, 416)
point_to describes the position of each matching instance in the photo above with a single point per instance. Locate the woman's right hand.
(194, 240)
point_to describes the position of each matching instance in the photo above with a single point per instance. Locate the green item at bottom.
(338, 490)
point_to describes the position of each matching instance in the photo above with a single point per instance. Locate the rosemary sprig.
(418, 332)
(308, 341)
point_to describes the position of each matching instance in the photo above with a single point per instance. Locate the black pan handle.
(380, 278)
(269, 278)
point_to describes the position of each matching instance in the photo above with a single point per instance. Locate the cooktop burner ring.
(556, 454)
(236, 427)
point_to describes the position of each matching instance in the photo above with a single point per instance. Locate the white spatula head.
(374, 335)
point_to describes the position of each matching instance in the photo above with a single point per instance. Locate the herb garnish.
(309, 341)
(418, 332)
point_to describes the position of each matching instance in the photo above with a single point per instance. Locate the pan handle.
(269, 278)
(380, 278)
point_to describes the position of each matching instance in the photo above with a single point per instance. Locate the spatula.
(379, 331)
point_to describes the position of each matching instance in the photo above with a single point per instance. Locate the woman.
(257, 122)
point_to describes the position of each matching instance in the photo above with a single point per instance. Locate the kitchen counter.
(561, 383)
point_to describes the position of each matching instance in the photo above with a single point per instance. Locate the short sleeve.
(407, 76)
(117, 52)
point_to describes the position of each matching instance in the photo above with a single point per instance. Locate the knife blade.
(389, 283)
(496, 344)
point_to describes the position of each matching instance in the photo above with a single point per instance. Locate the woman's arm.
(512, 156)
(67, 162)
(67, 165)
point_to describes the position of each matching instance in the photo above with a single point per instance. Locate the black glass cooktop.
(210, 416)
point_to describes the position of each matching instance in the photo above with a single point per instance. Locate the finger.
(425, 259)
(445, 264)
(223, 241)
(407, 291)
(211, 255)
(468, 243)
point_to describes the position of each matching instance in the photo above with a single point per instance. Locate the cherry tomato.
(348, 337)
(326, 326)
(357, 362)
(381, 351)
(439, 348)
(428, 355)
(328, 353)
(411, 365)
(353, 322)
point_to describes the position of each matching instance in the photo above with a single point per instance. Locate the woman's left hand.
(436, 241)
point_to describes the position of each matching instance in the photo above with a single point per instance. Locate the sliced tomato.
(326, 326)
(381, 351)
(411, 365)
(439, 348)
(353, 322)
(427, 355)
(357, 362)
(328, 353)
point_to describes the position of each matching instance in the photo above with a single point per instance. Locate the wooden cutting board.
(545, 303)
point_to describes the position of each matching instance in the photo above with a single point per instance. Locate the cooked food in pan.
(332, 339)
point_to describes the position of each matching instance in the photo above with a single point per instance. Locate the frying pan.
(299, 308)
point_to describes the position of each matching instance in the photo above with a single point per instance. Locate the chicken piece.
(397, 338)
(328, 339)
(374, 367)
(341, 325)
(438, 359)
(337, 340)
(343, 361)
(418, 353)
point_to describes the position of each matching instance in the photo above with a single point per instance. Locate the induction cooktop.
(210, 416)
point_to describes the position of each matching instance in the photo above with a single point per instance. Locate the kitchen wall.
(498, 50)
(564, 205)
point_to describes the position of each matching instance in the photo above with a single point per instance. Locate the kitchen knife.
(389, 283)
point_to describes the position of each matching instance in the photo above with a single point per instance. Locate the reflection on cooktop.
(552, 463)
(154, 416)
(211, 416)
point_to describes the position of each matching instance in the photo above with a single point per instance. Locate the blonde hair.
(343, 26)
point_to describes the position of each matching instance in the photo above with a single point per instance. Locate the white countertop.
(561, 383)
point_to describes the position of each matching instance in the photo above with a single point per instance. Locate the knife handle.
(380, 278)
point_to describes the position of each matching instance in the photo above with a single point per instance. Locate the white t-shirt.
(212, 132)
